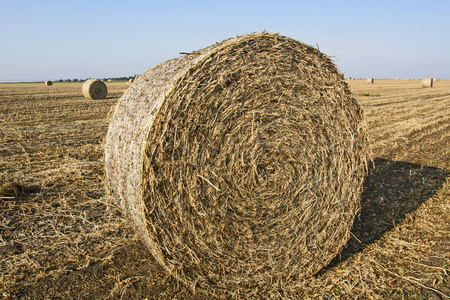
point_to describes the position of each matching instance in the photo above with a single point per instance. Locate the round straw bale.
(48, 83)
(427, 82)
(94, 89)
(241, 164)
(369, 80)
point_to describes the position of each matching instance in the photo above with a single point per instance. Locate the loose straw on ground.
(240, 164)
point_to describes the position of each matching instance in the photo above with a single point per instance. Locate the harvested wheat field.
(63, 237)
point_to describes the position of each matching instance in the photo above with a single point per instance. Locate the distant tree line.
(103, 79)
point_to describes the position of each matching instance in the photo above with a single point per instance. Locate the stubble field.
(62, 237)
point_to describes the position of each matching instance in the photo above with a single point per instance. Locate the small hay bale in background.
(131, 80)
(427, 82)
(369, 80)
(94, 89)
(240, 165)
(48, 83)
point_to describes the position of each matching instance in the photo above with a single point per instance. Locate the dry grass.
(61, 236)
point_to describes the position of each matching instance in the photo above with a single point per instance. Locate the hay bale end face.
(48, 83)
(427, 82)
(369, 80)
(94, 89)
(241, 164)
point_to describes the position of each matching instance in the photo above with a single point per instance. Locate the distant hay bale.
(131, 80)
(94, 89)
(48, 83)
(369, 80)
(240, 165)
(427, 82)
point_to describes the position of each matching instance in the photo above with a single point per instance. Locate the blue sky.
(49, 40)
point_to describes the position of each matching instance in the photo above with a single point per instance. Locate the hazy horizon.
(52, 40)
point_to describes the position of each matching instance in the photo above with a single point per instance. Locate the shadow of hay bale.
(15, 189)
(392, 189)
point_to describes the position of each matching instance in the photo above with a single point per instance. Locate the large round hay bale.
(48, 83)
(427, 82)
(241, 164)
(369, 80)
(94, 89)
